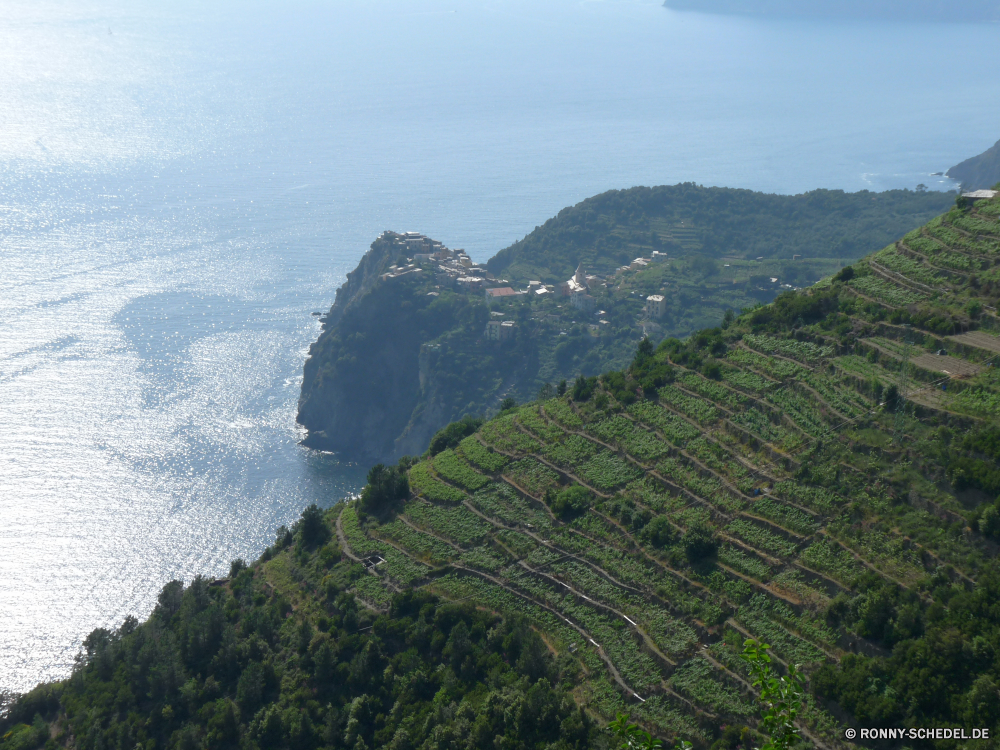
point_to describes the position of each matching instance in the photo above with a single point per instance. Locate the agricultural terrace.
(806, 476)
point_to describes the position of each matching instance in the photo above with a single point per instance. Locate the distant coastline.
(883, 10)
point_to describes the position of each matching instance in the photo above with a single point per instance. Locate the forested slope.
(820, 473)
(612, 228)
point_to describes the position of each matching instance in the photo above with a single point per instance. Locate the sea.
(184, 185)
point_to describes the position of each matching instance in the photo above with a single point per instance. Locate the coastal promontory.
(420, 335)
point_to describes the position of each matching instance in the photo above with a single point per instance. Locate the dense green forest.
(398, 359)
(819, 473)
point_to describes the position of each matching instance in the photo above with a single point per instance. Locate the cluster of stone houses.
(454, 268)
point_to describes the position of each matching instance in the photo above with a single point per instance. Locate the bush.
(844, 274)
(572, 501)
(648, 370)
(699, 543)
(454, 433)
(386, 487)
(620, 386)
(659, 532)
(712, 370)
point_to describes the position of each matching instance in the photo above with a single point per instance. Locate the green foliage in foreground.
(282, 656)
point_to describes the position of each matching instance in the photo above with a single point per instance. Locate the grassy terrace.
(761, 480)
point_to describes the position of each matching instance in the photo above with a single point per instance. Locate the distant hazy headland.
(895, 10)
(982, 171)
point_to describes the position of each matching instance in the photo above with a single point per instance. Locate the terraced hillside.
(819, 475)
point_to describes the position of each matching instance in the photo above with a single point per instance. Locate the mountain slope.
(401, 357)
(766, 479)
(820, 474)
(979, 172)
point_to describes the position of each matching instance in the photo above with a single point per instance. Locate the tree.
(386, 486)
(781, 696)
(699, 542)
(570, 502)
(452, 434)
(313, 529)
(507, 404)
(844, 274)
(659, 532)
(583, 388)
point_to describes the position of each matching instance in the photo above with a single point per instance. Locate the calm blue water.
(180, 187)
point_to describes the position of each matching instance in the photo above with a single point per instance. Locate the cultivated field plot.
(750, 482)
(943, 363)
(979, 339)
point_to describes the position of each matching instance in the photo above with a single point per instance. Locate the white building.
(656, 306)
(977, 195)
(578, 283)
(581, 300)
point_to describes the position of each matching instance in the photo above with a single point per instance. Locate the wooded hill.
(399, 359)
(820, 473)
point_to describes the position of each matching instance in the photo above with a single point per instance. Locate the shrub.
(570, 502)
(844, 274)
(659, 532)
(386, 487)
(699, 543)
(454, 433)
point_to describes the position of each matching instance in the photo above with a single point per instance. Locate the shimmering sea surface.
(182, 184)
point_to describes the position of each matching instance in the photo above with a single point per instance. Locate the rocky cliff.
(979, 172)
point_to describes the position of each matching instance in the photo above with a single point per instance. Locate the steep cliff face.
(362, 279)
(361, 380)
(398, 357)
(979, 172)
